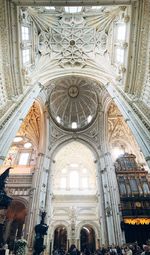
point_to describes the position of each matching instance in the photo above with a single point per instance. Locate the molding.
(71, 2)
(137, 47)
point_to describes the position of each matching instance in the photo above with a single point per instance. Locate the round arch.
(93, 73)
(87, 239)
(60, 238)
(21, 200)
(56, 224)
(15, 221)
(91, 224)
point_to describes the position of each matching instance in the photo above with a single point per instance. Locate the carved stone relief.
(31, 125)
(120, 134)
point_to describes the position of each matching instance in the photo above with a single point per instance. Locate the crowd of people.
(132, 249)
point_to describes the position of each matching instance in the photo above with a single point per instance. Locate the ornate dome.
(73, 102)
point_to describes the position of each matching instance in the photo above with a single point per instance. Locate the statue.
(4, 199)
(40, 230)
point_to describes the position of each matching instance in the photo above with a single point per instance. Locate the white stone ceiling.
(80, 41)
(73, 102)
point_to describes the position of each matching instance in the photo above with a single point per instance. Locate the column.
(39, 195)
(107, 203)
(115, 199)
(100, 196)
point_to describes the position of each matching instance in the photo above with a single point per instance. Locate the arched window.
(74, 180)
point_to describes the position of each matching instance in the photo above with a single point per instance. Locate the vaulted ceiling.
(107, 41)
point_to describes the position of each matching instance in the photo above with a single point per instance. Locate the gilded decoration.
(137, 221)
(32, 124)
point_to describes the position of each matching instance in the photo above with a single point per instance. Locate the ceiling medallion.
(73, 91)
(72, 42)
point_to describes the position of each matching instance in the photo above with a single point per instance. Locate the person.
(128, 251)
(73, 250)
(146, 250)
(87, 251)
(20, 246)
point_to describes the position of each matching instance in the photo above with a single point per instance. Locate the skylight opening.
(27, 145)
(25, 33)
(121, 32)
(49, 7)
(26, 56)
(89, 118)
(17, 139)
(74, 125)
(120, 55)
(58, 119)
(73, 9)
(96, 7)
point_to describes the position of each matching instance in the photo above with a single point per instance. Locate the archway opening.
(87, 239)
(15, 223)
(60, 238)
(74, 188)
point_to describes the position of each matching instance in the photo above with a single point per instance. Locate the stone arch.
(60, 236)
(83, 140)
(21, 200)
(15, 221)
(90, 231)
(90, 73)
(120, 134)
(92, 224)
(56, 224)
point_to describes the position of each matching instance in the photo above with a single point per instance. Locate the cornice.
(144, 40)
(138, 107)
(71, 2)
(138, 47)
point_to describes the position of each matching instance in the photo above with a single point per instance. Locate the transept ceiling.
(73, 101)
(80, 41)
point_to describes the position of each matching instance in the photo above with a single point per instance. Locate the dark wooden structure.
(134, 191)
